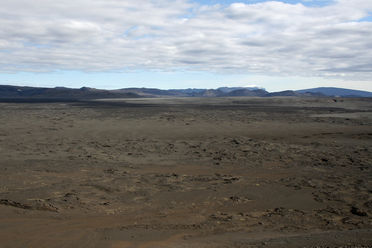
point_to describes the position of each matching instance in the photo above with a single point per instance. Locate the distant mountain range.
(21, 92)
(332, 91)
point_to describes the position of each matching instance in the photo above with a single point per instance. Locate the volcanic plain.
(186, 172)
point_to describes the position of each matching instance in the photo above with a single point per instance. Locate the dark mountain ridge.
(8, 91)
(19, 92)
(333, 91)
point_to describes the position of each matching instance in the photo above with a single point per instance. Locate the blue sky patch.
(227, 2)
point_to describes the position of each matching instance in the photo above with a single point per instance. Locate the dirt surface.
(238, 172)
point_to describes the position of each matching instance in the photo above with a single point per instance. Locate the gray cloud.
(109, 35)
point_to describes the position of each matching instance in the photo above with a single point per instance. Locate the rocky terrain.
(187, 172)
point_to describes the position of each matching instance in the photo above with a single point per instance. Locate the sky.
(172, 44)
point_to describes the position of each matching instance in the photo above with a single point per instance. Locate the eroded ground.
(239, 172)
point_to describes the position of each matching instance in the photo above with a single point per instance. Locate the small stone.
(358, 212)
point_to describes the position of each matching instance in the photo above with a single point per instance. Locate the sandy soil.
(238, 172)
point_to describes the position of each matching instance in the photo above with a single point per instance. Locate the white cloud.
(272, 38)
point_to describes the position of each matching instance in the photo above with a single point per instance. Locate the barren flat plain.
(186, 172)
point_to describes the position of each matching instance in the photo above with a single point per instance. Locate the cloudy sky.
(278, 45)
